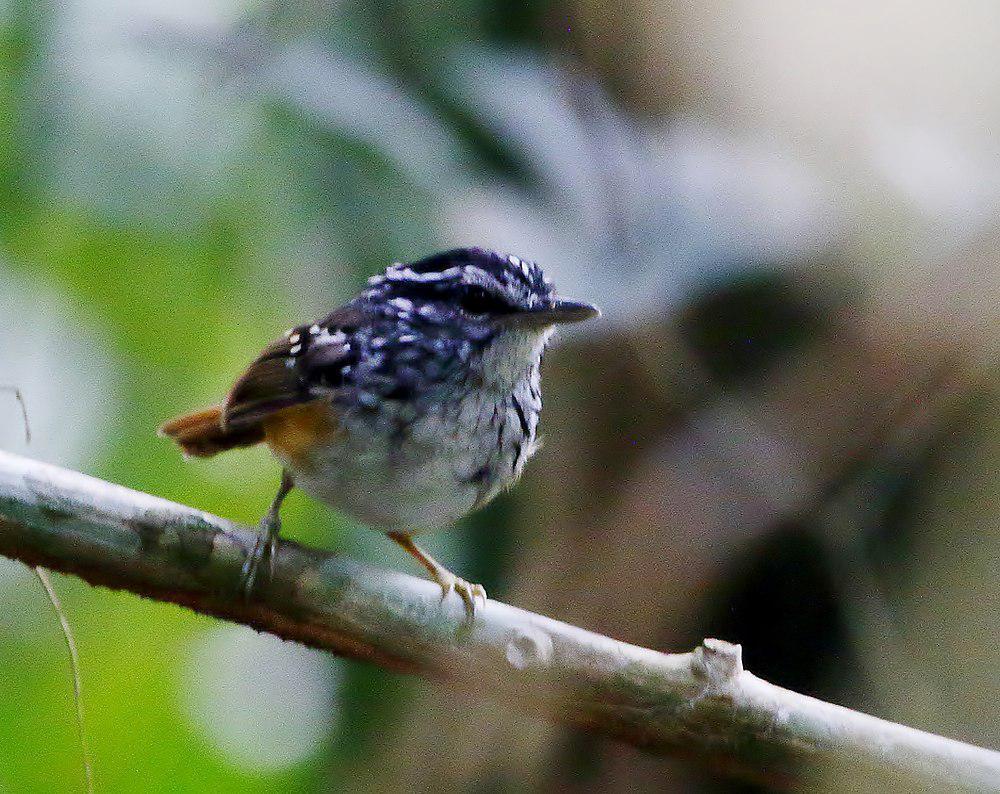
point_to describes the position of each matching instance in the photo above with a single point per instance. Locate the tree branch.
(701, 704)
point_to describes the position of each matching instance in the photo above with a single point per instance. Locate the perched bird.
(408, 407)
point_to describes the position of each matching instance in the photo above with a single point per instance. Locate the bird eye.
(476, 300)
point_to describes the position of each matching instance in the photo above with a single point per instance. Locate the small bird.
(408, 407)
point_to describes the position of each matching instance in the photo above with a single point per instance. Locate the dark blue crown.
(505, 268)
(452, 274)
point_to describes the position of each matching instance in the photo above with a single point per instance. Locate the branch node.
(529, 647)
(717, 661)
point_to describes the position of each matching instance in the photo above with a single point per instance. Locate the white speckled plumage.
(438, 408)
(455, 454)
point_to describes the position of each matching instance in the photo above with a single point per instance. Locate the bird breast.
(406, 468)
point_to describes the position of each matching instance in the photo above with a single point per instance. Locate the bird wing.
(307, 363)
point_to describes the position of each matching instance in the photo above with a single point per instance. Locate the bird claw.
(468, 591)
(265, 547)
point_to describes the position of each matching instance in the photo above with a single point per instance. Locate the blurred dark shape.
(739, 327)
(783, 604)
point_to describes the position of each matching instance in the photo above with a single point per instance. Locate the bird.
(406, 408)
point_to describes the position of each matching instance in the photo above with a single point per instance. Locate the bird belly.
(422, 474)
(366, 486)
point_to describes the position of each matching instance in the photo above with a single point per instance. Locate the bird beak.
(556, 313)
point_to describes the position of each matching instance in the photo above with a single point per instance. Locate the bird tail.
(201, 434)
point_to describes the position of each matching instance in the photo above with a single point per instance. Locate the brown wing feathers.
(271, 384)
(267, 385)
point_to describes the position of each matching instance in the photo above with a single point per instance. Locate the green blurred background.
(784, 432)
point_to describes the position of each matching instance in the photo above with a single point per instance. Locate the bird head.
(481, 287)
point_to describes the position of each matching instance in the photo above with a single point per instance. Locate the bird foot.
(468, 591)
(265, 548)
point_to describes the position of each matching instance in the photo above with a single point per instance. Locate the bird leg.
(266, 545)
(466, 590)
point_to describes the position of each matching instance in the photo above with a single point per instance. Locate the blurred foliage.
(183, 293)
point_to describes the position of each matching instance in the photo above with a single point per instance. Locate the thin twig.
(74, 657)
(24, 410)
(74, 663)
